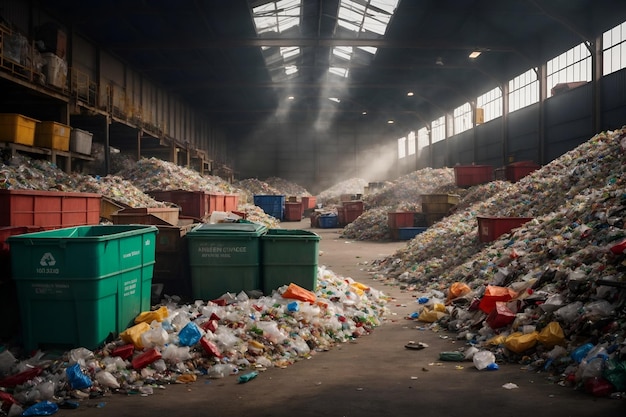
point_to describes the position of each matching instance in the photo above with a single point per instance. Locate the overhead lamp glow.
(364, 113)
(475, 54)
(335, 99)
(390, 122)
(410, 94)
(290, 98)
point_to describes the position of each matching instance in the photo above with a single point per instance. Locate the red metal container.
(517, 170)
(398, 219)
(309, 202)
(49, 209)
(231, 202)
(468, 175)
(192, 203)
(491, 228)
(293, 212)
(216, 202)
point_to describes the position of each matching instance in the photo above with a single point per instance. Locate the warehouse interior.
(443, 233)
(315, 91)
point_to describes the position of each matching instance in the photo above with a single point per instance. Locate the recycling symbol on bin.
(47, 260)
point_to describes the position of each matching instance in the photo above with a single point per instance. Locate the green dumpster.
(289, 256)
(224, 257)
(76, 286)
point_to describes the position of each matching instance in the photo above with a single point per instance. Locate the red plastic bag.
(500, 316)
(146, 358)
(494, 294)
(296, 292)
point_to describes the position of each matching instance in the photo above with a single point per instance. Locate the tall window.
(523, 90)
(462, 118)
(614, 44)
(571, 66)
(438, 129)
(491, 103)
(410, 144)
(401, 148)
(422, 139)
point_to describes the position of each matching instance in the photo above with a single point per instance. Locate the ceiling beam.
(187, 44)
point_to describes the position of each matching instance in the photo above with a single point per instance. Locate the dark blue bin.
(274, 205)
(328, 221)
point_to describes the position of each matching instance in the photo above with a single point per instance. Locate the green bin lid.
(290, 234)
(228, 229)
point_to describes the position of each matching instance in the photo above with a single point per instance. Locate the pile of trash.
(257, 215)
(403, 194)
(409, 188)
(22, 173)
(253, 186)
(550, 293)
(153, 174)
(173, 343)
(287, 188)
(333, 194)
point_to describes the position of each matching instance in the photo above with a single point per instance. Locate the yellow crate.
(53, 135)
(17, 129)
(441, 198)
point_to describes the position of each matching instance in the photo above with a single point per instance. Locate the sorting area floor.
(376, 375)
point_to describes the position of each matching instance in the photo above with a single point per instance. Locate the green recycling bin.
(77, 286)
(224, 257)
(289, 256)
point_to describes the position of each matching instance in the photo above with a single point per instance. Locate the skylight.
(366, 16)
(342, 72)
(344, 52)
(276, 16)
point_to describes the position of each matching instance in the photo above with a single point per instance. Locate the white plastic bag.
(483, 358)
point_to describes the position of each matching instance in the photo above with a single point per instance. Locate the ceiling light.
(439, 61)
(390, 122)
(364, 112)
(335, 99)
(410, 94)
(475, 54)
(290, 98)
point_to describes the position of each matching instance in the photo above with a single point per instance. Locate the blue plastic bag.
(44, 408)
(76, 377)
(189, 335)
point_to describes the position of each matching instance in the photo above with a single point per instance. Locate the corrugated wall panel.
(614, 100)
(17, 14)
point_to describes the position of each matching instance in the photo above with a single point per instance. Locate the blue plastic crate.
(274, 205)
(408, 233)
(327, 221)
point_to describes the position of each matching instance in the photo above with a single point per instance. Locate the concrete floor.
(374, 376)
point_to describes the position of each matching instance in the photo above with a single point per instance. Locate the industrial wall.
(316, 159)
(567, 122)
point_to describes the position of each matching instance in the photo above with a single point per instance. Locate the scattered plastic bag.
(483, 359)
(615, 373)
(520, 342)
(296, 292)
(76, 377)
(458, 289)
(189, 335)
(133, 334)
(43, 408)
(107, 379)
(494, 293)
(551, 335)
(150, 316)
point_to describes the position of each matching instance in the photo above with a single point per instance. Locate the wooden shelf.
(52, 154)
